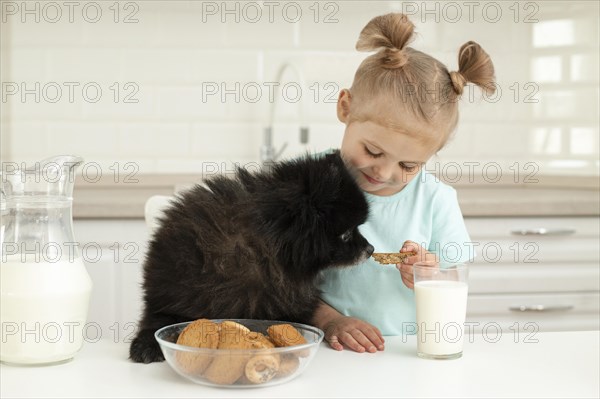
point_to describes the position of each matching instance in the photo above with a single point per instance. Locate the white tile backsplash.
(460, 144)
(257, 35)
(88, 140)
(125, 101)
(178, 79)
(218, 65)
(325, 135)
(488, 139)
(584, 68)
(185, 28)
(225, 141)
(85, 64)
(31, 103)
(192, 103)
(27, 138)
(336, 26)
(38, 30)
(147, 66)
(26, 64)
(166, 139)
(136, 25)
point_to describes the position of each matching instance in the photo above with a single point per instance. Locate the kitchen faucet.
(268, 153)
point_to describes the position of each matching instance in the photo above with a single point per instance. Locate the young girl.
(400, 111)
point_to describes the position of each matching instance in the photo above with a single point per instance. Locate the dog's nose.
(370, 249)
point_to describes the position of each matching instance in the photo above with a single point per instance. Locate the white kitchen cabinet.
(535, 273)
(113, 251)
(543, 282)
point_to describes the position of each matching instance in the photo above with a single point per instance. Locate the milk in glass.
(441, 312)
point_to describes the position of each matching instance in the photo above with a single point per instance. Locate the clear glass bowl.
(219, 367)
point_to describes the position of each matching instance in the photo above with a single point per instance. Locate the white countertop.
(560, 364)
(547, 196)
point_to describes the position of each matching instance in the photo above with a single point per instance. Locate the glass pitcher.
(45, 288)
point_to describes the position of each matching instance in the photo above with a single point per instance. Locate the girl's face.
(385, 160)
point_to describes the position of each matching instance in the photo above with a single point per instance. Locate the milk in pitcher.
(43, 308)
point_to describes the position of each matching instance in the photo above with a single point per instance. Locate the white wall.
(170, 51)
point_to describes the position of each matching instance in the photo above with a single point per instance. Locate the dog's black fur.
(251, 247)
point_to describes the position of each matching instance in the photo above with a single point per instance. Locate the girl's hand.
(406, 268)
(353, 333)
(343, 331)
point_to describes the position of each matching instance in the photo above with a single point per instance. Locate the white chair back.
(153, 209)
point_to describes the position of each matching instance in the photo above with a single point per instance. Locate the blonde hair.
(413, 80)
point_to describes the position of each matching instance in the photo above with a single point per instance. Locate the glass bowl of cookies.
(239, 353)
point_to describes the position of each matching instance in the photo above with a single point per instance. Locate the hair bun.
(475, 66)
(458, 82)
(392, 32)
(392, 58)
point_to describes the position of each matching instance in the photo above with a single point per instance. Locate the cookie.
(286, 335)
(259, 341)
(231, 330)
(288, 365)
(233, 326)
(228, 367)
(201, 333)
(390, 258)
(262, 368)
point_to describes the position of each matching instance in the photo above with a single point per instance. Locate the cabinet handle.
(540, 308)
(542, 232)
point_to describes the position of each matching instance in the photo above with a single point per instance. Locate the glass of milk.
(44, 285)
(441, 300)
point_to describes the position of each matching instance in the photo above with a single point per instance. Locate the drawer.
(544, 312)
(534, 240)
(533, 278)
(505, 226)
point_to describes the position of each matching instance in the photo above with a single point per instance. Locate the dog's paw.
(143, 350)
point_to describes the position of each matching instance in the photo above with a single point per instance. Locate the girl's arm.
(344, 331)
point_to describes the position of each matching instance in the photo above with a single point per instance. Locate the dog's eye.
(346, 236)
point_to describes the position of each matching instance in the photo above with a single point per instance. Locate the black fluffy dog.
(251, 247)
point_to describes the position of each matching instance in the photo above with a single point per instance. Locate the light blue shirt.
(426, 211)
